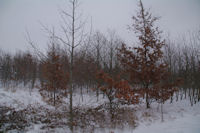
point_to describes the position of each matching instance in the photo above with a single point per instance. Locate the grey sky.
(178, 16)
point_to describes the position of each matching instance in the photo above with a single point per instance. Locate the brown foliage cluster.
(55, 76)
(56, 79)
(116, 88)
(143, 65)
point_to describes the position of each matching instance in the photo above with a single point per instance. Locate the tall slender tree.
(73, 29)
(144, 63)
(54, 75)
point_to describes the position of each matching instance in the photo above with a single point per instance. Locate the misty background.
(16, 16)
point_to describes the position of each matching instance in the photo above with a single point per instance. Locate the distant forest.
(156, 68)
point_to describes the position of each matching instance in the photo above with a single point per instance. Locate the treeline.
(182, 56)
(101, 53)
(154, 70)
(20, 68)
(101, 57)
(27, 68)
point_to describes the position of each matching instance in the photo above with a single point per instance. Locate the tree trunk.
(54, 96)
(111, 108)
(71, 66)
(199, 96)
(71, 91)
(177, 93)
(162, 119)
(171, 98)
(97, 94)
(147, 100)
(82, 93)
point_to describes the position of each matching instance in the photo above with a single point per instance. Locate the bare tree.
(73, 36)
(98, 44)
(73, 29)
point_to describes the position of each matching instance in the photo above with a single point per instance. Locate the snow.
(36, 129)
(179, 117)
(20, 98)
(88, 100)
(187, 124)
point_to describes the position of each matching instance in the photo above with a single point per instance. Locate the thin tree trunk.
(54, 96)
(199, 96)
(171, 98)
(162, 119)
(71, 91)
(97, 94)
(185, 93)
(82, 93)
(71, 68)
(147, 100)
(177, 94)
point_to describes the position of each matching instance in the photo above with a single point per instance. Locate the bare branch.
(32, 44)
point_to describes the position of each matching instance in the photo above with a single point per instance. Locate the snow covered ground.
(87, 100)
(20, 98)
(189, 123)
(179, 117)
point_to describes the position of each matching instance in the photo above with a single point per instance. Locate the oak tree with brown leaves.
(55, 77)
(116, 90)
(106, 85)
(144, 63)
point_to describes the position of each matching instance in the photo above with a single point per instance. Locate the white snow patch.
(187, 124)
(87, 100)
(20, 98)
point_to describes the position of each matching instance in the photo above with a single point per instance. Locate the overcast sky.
(177, 17)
